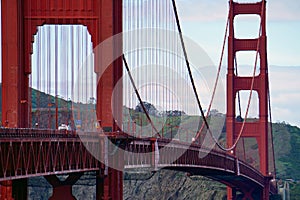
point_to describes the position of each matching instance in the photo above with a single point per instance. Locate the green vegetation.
(295, 191)
(286, 137)
(287, 150)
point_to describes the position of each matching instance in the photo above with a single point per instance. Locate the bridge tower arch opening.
(20, 22)
(59, 96)
(103, 19)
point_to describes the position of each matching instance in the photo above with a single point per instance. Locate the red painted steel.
(6, 190)
(63, 189)
(111, 15)
(20, 21)
(30, 152)
(259, 129)
(103, 18)
(26, 153)
(41, 152)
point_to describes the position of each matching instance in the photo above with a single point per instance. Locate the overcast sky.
(204, 21)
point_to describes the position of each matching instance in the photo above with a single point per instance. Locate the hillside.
(286, 146)
(287, 150)
(287, 154)
(167, 184)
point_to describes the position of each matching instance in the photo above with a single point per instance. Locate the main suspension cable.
(271, 122)
(217, 78)
(138, 96)
(251, 88)
(188, 64)
(195, 91)
(192, 79)
(252, 82)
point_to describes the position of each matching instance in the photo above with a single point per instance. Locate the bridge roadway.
(27, 153)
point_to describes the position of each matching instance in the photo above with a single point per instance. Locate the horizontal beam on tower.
(246, 8)
(245, 44)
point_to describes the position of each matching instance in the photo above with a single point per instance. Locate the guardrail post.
(152, 143)
(154, 156)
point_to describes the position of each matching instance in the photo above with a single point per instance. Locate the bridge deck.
(32, 152)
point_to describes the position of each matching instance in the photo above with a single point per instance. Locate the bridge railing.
(36, 152)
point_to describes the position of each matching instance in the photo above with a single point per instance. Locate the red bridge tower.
(20, 19)
(259, 83)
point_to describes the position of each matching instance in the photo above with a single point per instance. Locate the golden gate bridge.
(108, 59)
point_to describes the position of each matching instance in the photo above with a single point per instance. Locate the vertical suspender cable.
(168, 61)
(39, 75)
(164, 54)
(44, 69)
(156, 70)
(151, 55)
(71, 75)
(49, 75)
(271, 126)
(79, 57)
(89, 81)
(85, 80)
(56, 56)
(130, 18)
(239, 97)
(66, 77)
(29, 89)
